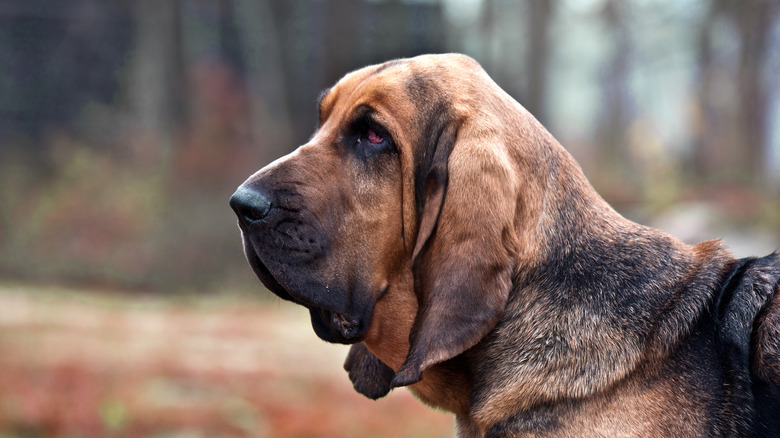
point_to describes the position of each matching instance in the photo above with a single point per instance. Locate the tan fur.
(767, 356)
(507, 164)
(505, 289)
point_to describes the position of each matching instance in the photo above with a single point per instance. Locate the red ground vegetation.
(75, 364)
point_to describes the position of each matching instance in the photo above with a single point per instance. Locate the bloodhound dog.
(436, 226)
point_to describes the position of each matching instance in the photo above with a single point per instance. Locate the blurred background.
(126, 306)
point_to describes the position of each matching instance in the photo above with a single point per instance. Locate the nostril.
(250, 205)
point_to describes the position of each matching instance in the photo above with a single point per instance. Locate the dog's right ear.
(766, 354)
(766, 329)
(369, 375)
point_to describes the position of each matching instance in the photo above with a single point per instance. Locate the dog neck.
(595, 296)
(602, 296)
(596, 299)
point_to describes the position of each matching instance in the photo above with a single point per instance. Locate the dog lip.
(348, 328)
(336, 327)
(331, 324)
(266, 277)
(340, 327)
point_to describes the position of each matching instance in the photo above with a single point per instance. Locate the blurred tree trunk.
(732, 130)
(340, 18)
(507, 41)
(754, 24)
(156, 85)
(614, 88)
(517, 55)
(705, 137)
(540, 14)
(261, 47)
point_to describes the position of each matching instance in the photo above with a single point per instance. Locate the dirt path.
(83, 364)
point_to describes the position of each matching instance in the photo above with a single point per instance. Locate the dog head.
(395, 225)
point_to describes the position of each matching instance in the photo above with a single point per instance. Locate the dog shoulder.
(747, 313)
(746, 308)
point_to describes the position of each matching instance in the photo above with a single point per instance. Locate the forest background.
(126, 125)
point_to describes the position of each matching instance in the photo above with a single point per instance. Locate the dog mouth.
(331, 325)
(336, 327)
(346, 327)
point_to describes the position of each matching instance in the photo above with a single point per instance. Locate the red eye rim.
(373, 137)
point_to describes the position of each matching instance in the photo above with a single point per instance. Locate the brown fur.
(766, 362)
(471, 260)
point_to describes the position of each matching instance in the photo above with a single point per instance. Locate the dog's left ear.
(461, 261)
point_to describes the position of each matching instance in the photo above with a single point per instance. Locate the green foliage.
(100, 217)
(113, 413)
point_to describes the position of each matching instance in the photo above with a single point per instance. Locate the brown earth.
(88, 364)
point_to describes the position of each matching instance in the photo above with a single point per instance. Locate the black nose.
(250, 205)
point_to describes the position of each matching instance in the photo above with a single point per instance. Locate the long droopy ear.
(461, 262)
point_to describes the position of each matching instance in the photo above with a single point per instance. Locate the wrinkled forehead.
(372, 84)
(399, 82)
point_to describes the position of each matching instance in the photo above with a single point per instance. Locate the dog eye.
(368, 137)
(374, 140)
(373, 137)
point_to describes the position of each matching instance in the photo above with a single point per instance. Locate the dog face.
(372, 224)
(327, 231)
